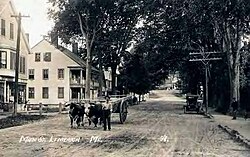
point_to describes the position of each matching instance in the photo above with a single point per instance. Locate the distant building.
(171, 82)
(8, 35)
(108, 79)
(57, 75)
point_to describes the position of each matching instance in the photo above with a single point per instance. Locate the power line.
(199, 53)
(205, 58)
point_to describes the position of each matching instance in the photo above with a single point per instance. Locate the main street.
(157, 127)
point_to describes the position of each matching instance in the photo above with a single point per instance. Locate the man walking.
(235, 108)
(107, 109)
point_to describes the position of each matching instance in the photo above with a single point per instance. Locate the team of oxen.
(77, 111)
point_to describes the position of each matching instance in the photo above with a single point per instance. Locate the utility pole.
(205, 58)
(19, 19)
(206, 73)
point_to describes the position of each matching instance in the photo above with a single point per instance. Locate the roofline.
(3, 8)
(37, 44)
(93, 69)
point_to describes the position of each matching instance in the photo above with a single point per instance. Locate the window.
(60, 92)
(75, 93)
(31, 92)
(37, 57)
(1, 92)
(3, 27)
(11, 31)
(3, 59)
(45, 74)
(31, 74)
(45, 92)
(47, 57)
(60, 73)
(12, 60)
(22, 65)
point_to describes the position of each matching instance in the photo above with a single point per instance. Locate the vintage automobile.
(193, 103)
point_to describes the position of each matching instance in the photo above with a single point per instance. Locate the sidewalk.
(240, 124)
(7, 114)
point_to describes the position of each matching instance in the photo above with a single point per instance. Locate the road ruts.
(155, 128)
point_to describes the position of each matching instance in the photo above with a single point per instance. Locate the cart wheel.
(185, 109)
(198, 111)
(123, 111)
(198, 108)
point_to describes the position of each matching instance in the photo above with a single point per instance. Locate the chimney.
(75, 48)
(54, 38)
(27, 37)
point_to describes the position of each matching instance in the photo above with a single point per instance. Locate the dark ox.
(94, 113)
(76, 114)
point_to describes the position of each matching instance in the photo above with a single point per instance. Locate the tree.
(106, 26)
(231, 21)
(135, 75)
(81, 18)
(161, 41)
(245, 77)
(219, 26)
(121, 30)
(215, 26)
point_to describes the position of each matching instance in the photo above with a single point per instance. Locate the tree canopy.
(163, 33)
(105, 27)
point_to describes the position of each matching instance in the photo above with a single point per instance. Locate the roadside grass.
(20, 119)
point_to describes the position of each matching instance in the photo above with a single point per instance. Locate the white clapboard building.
(8, 38)
(57, 75)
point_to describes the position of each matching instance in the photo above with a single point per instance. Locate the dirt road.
(154, 128)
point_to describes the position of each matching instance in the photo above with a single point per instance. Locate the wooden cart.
(120, 105)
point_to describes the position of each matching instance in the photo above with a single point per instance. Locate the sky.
(38, 23)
